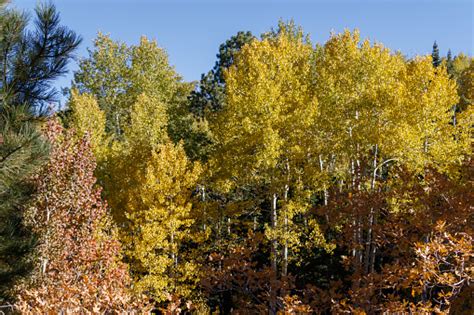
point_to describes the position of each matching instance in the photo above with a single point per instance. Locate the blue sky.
(191, 31)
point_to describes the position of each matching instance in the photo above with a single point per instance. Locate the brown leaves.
(78, 267)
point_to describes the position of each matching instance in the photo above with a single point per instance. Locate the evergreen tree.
(209, 96)
(25, 56)
(435, 55)
(449, 62)
(32, 60)
(210, 92)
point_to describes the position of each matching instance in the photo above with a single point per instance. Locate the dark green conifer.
(435, 55)
(210, 91)
(30, 60)
(449, 62)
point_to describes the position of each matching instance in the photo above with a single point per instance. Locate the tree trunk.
(44, 263)
(325, 191)
(454, 115)
(285, 247)
(369, 243)
(203, 199)
(274, 240)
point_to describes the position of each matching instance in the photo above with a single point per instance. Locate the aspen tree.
(270, 106)
(159, 214)
(377, 109)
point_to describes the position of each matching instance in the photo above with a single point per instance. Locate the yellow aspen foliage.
(147, 180)
(466, 86)
(355, 82)
(117, 74)
(128, 158)
(270, 105)
(148, 123)
(371, 98)
(159, 213)
(420, 131)
(87, 117)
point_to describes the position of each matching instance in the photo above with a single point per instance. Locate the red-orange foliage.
(243, 286)
(78, 268)
(422, 236)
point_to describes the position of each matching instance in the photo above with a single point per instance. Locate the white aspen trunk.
(203, 199)
(454, 115)
(117, 120)
(369, 243)
(354, 222)
(274, 240)
(173, 258)
(359, 241)
(374, 175)
(354, 236)
(325, 191)
(173, 254)
(358, 174)
(353, 178)
(285, 247)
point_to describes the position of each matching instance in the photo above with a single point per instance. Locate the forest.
(293, 178)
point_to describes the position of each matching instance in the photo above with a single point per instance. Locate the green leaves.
(117, 74)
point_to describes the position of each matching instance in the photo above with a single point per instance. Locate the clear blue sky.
(192, 30)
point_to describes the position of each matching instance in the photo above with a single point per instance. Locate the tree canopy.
(293, 178)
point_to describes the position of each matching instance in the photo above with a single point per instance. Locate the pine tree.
(449, 62)
(21, 152)
(209, 95)
(436, 59)
(25, 55)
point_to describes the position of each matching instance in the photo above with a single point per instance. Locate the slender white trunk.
(117, 121)
(369, 242)
(454, 115)
(173, 254)
(203, 199)
(325, 191)
(374, 175)
(285, 247)
(353, 178)
(358, 174)
(274, 240)
(373, 251)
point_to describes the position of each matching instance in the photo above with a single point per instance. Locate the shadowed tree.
(435, 55)
(210, 92)
(30, 61)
